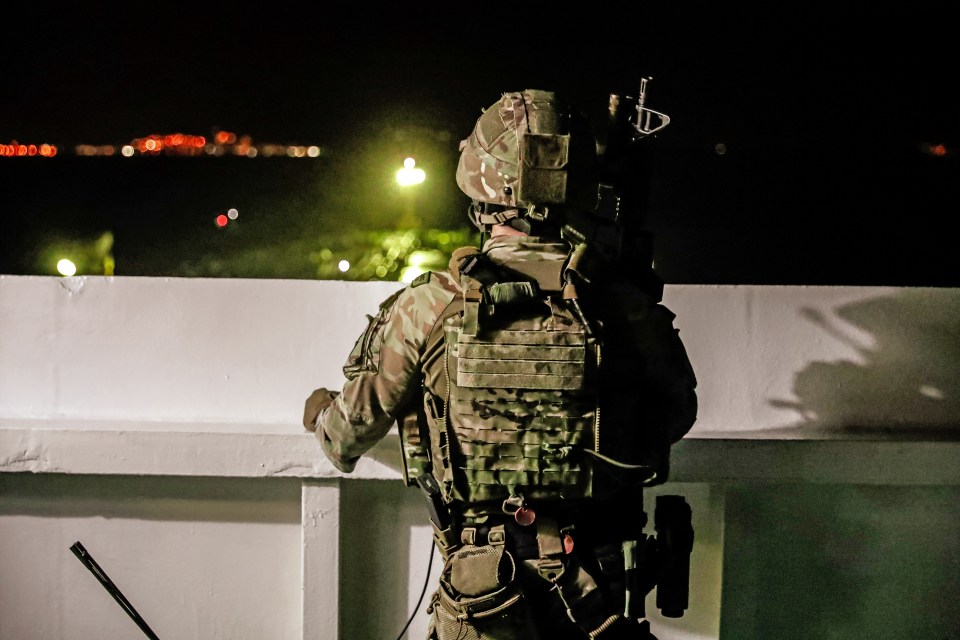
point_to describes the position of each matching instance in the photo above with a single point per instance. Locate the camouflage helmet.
(529, 155)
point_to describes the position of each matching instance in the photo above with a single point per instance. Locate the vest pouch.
(365, 355)
(479, 597)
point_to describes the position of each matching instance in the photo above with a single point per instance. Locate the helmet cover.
(527, 150)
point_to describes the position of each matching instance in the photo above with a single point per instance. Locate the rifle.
(111, 588)
(616, 229)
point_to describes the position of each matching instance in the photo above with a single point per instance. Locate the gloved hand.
(319, 400)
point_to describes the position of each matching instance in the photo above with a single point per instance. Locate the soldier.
(537, 388)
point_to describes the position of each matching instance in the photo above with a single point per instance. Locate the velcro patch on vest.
(423, 278)
(513, 359)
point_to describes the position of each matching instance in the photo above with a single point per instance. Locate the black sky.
(297, 70)
(823, 109)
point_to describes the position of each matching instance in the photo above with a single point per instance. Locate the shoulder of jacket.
(433, 281)
(426, 297)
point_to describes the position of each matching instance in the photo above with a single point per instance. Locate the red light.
(222, 220)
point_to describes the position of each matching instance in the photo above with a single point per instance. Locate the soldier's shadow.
(907, 383)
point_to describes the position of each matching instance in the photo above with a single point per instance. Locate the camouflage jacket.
(648, 374)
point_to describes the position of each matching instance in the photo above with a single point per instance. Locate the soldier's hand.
(319, 400)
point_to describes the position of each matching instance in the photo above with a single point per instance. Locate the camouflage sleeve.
(383, 370)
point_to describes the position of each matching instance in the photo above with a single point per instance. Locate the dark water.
(772, 216)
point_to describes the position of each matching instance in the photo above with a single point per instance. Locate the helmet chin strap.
(484, 215)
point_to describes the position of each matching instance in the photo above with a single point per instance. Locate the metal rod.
(111, 588)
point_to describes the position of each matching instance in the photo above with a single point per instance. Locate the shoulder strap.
(460, 257)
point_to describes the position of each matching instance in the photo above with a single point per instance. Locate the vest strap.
(549, 540)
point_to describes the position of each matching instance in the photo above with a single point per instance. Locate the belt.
(545, 538)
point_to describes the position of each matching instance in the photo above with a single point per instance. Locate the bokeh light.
(407, 274)
(410, 174)
(65, 267)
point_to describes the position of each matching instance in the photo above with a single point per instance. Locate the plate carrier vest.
(520, 420)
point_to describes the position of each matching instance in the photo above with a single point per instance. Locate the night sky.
(826, 113)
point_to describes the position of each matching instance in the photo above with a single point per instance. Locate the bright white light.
(313, 151)
(127, 150)
(343, 265)
(410, 175)
(420, 258)
(232, 214)
(66, 267)
(407, 274)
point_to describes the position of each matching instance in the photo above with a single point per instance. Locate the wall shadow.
(908, 384)
(261, 500)
(806, 560)
(376, 518)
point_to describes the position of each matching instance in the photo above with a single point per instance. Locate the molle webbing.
(510, 443)
(522, 360)
(521, 408)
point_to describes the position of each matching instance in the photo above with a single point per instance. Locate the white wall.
(157, 420)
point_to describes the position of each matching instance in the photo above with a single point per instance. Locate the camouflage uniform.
(648, 387)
